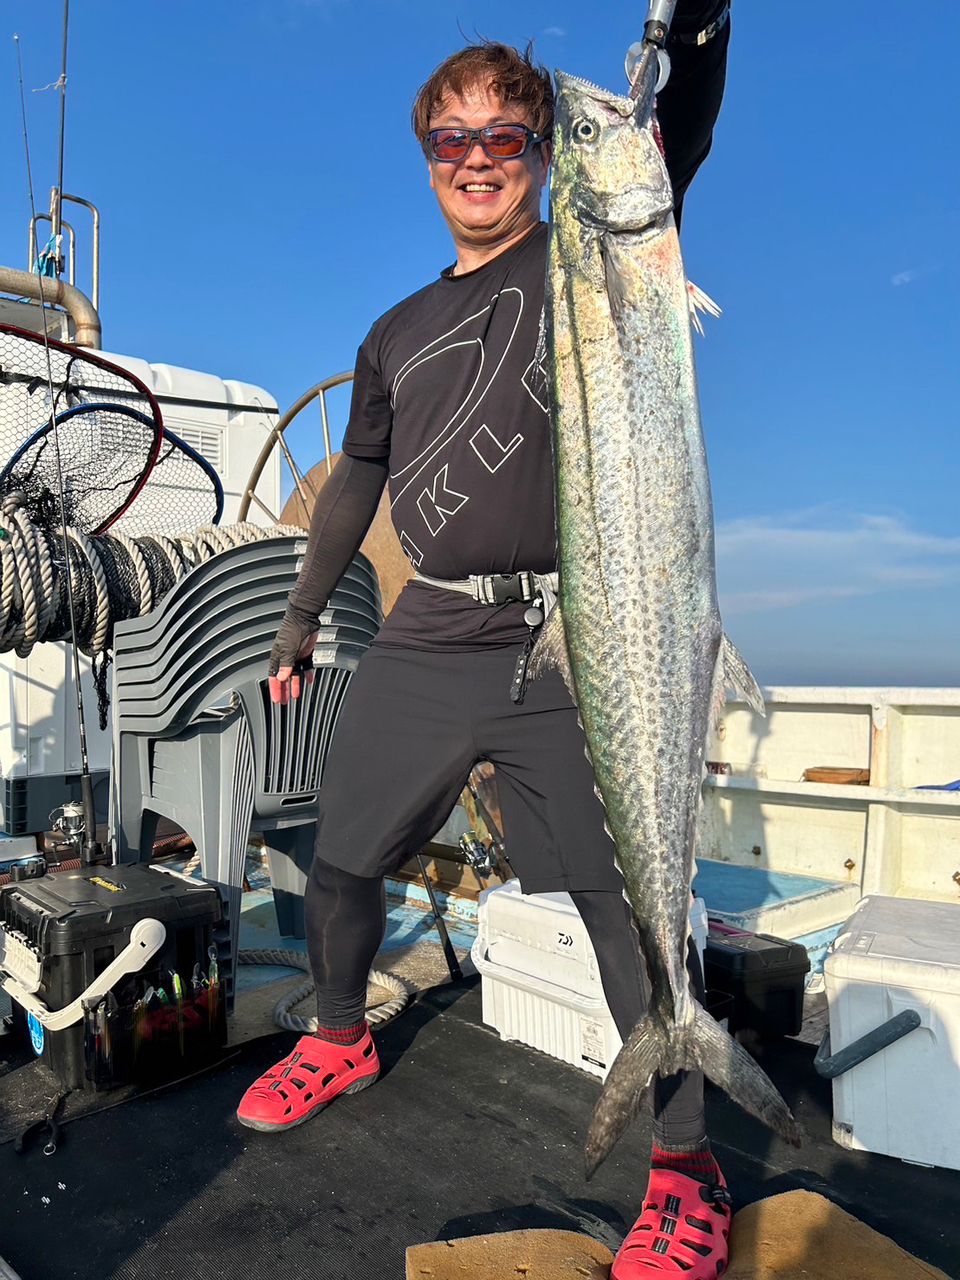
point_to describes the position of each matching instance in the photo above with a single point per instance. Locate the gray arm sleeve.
(343, 513)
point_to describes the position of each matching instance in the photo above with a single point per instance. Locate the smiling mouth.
(480, 188)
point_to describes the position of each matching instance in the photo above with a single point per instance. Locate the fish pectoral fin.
(551, 650)
(698, 302)
(736, 675)
(614, 280)
(623, 1091)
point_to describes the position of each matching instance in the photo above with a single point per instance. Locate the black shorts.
(412, 727)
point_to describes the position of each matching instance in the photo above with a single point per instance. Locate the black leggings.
(346, 916)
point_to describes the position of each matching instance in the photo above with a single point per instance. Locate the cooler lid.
(71, 907)
(754, 954)
(903, 929)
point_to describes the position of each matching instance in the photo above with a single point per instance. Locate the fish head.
(608, 170)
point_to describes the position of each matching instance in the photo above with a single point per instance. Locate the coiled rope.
(376, 1014)
(114, 577)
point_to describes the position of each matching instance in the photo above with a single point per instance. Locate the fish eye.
(584, 131)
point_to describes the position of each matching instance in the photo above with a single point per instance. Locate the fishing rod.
(91, 851)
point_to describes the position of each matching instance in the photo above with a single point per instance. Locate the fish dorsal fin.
(736, 675)
(550, 650)
(700, 302)
(624, 106)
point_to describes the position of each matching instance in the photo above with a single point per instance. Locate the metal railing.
(276, 439)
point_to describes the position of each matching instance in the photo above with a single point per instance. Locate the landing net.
(108, 425)
(183, 491)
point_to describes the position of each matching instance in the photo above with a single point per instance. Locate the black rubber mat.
(463, 1134)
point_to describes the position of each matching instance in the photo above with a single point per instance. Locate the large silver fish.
(637, 628)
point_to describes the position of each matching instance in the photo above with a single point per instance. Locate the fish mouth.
(625, 236)
(639, 235)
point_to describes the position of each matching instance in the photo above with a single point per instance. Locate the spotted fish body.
(637, 627)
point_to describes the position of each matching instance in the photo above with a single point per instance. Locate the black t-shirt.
(450, 385)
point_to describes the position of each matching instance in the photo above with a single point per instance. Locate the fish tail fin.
(624, 1090)
(704, 1044)
(728, 1065)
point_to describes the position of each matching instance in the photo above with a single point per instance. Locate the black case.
(763, 975)
(77, 922)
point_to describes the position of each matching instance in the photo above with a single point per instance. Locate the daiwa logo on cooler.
(564, 940)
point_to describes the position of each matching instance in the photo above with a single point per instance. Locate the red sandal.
(683, 1230)
(308, 1080)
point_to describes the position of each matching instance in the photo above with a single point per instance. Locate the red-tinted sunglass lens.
(503, 141)
(449, 144)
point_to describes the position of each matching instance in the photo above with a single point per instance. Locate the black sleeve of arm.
(689, 104)
(343, 513)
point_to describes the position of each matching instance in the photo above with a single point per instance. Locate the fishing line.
(91, 850)
(63, 110)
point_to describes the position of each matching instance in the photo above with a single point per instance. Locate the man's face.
(485, 201)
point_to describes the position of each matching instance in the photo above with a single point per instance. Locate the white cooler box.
(896, 954)
(541, 984)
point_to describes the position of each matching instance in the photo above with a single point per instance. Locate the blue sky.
(245, 233)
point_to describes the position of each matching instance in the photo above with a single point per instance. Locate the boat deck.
(463, 1134)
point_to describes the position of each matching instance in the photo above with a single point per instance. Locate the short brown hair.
(498, 68)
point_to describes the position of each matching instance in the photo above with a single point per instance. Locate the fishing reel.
(69, 821)
(476, 854)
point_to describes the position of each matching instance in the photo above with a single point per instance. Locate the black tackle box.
(764, 977)
(155, 1024)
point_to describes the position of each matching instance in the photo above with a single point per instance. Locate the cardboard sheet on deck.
(802, 1236)
(519, 1255)
(795, 1236)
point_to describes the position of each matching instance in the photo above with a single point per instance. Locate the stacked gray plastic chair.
(196, 738)
(296, 740)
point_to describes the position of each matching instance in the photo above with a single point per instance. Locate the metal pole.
(651, 50)
(453, 964)
(71, 235)
(326, 430)
(95, 213)
(271, 441)
(26, 284)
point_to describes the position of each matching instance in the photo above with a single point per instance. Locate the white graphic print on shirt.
(461, 375)
(487, 351)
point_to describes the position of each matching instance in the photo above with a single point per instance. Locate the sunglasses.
(499, 142)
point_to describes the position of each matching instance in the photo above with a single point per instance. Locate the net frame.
(21, 471)
(102, 379)
(179, 470)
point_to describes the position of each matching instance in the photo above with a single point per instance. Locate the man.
(449, 398)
